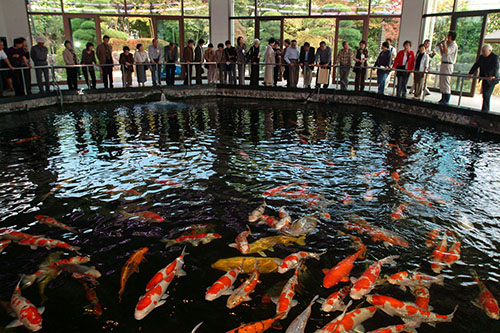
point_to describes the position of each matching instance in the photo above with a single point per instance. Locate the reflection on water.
(209, 162)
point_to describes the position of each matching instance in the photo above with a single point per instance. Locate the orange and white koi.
(242, 242)
(4, 244)
(53, 269)
(131, 266)
(420, 199)
(451, 180)
(243, 154)
(422, 297)
(348, 321)
(368, 196)
(223, 286)
(194, 240)
(53, 222)
(27, 314)
(285, 301)
(432, 236)
(148, 216)
(257, 213)
(39, 241)
(365, 284)
(299, 324)
(398, 212)
(334, 302)
(347, 199)
(330, 164)
(437, 263)
(293, 260)
(285, 219)
(175, 267)
(452, 255)
(395, 176)
(95, 306)
(25, 140)
(486, 301)
(399, 151)
(340, 272)
(407, 311)
(377, 234)
(409, 327)
(375, 174)
(434, 197)
(13, 235)
(153, 298)
(274, 190)
(269, 220)
(414, 279)
(258, 326)
(80, 271)
(241, 294)
(166, 182)
(299, 194)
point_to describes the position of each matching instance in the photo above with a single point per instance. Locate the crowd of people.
(227, 64)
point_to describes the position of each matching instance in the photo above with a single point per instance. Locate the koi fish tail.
(301, 240)
(474, 275)
(169, 243)
(389, 260)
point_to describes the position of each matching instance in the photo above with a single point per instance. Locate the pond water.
(209, 162)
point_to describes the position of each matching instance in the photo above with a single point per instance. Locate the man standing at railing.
(324, 59)
(254, 59)
(488, 69)
(171, 56)
(18, 59)
(231, 57)
(292, 59)
(306, 60)
(198, 58)
(345, 58)
(187, 57)
(4, 63)
(105, 55)
(448, 49)
(39, 54)
(154, 52)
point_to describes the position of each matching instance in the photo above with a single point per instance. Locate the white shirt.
(451, 56)
(269, 55)
(424, 63)
(141, 57)
(3, 55)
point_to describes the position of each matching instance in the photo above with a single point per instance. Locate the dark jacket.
(102, 55)
(359, 64)
(311, 56)
(230, 53)
(253, 54)
(88, 58)
(187, 55)
(127, 58)
(198, 54)
(488, 66)
(383, 59)
(166, 54)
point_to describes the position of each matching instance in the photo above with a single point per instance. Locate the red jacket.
(400, 57)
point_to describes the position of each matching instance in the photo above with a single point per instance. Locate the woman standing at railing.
(361, 59)
(421, 65)
(210, 57)
(127, 66)
(384, 61)
(140, 58)
(4, 63)
(70, 59)
(220, 59)
(405, 60)
(88, 58)
(254, 59)
(241, 52)
(269, 59)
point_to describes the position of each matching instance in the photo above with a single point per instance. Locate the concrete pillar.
(411, 21)
(219, 20)
(13, 20)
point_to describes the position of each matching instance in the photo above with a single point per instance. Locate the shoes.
(427, 93)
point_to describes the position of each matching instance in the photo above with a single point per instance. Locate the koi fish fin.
(164, 297)
(359, 329)
(233, 245)
(301, 240)
(14, 323)
(353, 280)
(391, 260)
(314, 300)
(345, 279)
(476, 304)
(180, 272)
(247, 299)
(41, 309)
(440, 280)
(271, 249)
(160, 303)
(33, 247)
(274, 300)
(294, 303)
(325, 271)
(227, 292)
(262, 253)
(403, 288)
(196, 327)
(168, 242)
(387, 244)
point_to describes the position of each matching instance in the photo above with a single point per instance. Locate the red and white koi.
(13, 235)
(368, 196)
(414, 279)
(395, 176)
(285, 301)
(398, 212)
(80, 271)
(269, 220)
(409, 328)
(434, 197)
(39, 241)
(194, 240)
(241, 294)
(432, 237)
(340, 272)
(258, 326)
(299, 324)
(452, 255)
(422, 297)
(275, 190)
(293, 260)
(4, 244)
(347, 199)
(285, 219)
(334, 302)
(419, 198)
(348, 321)
(25, 140)
(175, 267)
(27, 314)
(256, 214)
(407, 311)
(153, 298)
(399, 152)
(242, 242)
(51, 222)
(486, 301)
(223, 286)
(365, 284)
(437, 257)
(377, 234)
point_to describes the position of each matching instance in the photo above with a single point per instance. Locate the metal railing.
(188, 68)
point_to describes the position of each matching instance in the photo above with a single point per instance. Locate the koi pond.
(96, 200)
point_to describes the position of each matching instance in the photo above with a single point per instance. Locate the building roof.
(494, 37)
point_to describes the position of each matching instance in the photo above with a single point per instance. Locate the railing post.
(425, 86)
(394, 81)
(370, 81)
(189, 74)
(24, 80)
(461, 90)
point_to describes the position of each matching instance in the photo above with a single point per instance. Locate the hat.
(40, 39)
(256, 40)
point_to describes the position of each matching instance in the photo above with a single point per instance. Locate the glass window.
(379, 30)
(435, 29)
(464, 5)
(439, 6)
(386, 7)
(245, 28)
(336, 7)
(195, 29)
(282, 8)
(269, 29)
(312, 30)
(154, 7)
(168, 31)
(94, 6)
(492, 34)
(83, 30)
(44, 5)
(196, 8)
(243, 8)
(350, 31)
(52, 28)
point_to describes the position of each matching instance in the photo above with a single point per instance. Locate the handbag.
(323, 76)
